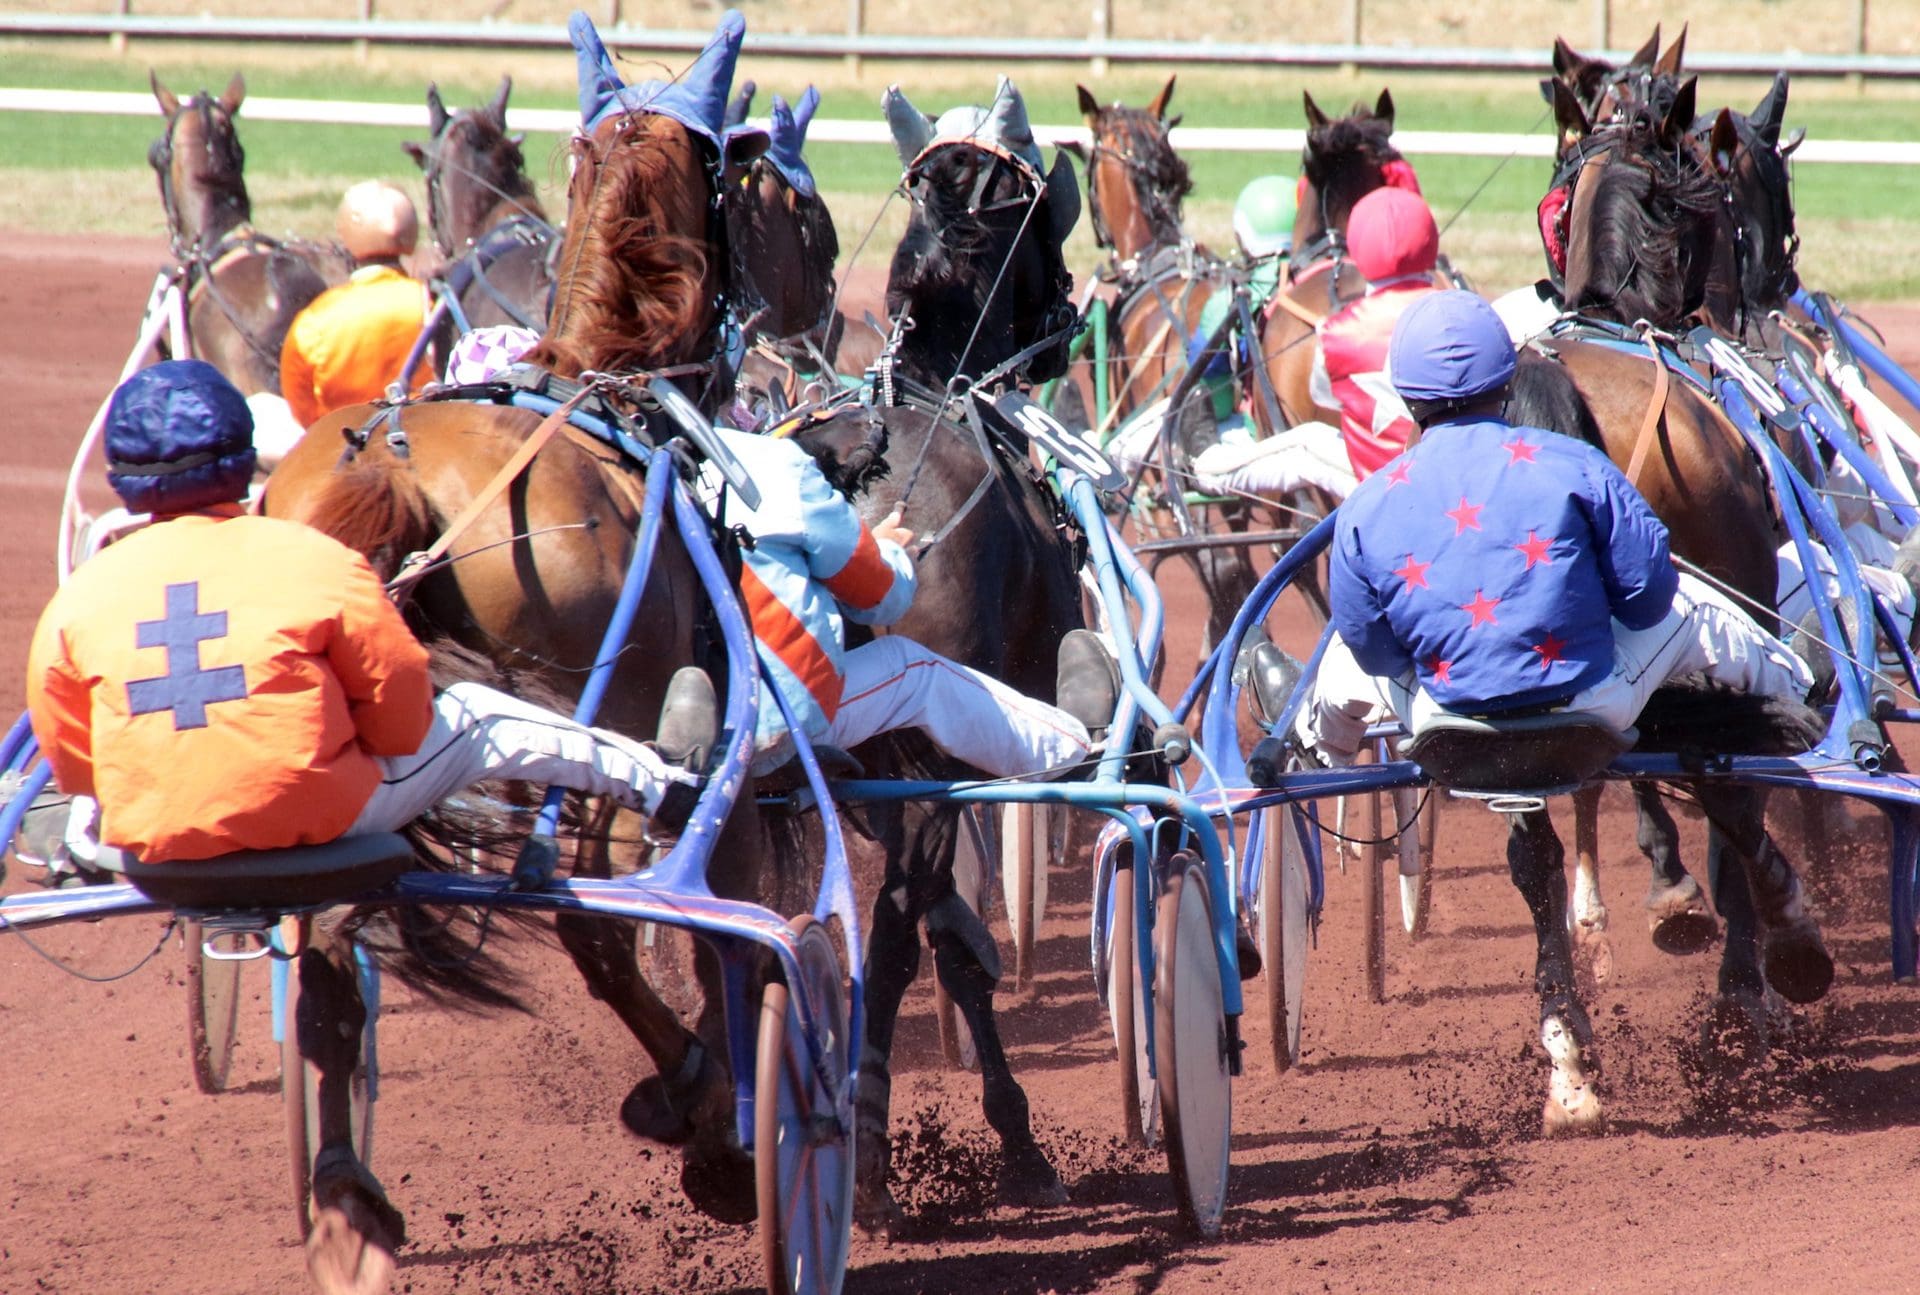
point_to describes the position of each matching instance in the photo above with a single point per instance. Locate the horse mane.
(371, 504)
(1647, 206)
(1544, 395)
(638, 296)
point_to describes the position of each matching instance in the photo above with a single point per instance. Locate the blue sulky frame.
(1847, 761)
(673, 892)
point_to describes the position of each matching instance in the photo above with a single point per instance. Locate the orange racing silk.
(222, 682)
(349, 343)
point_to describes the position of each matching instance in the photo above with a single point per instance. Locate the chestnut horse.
(486, 219)
(534, 580)
(242, 288)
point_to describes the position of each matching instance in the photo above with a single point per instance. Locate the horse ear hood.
(789, 136)
(697, 99)
(1063, 197)
(1006, 122)
(912, 129)
(1771, 112)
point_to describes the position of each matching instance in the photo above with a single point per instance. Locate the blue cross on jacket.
(1490, 560)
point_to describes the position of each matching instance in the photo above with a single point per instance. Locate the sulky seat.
(1531, 754)
(298, 877)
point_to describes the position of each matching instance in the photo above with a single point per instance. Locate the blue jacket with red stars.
(1490, 560)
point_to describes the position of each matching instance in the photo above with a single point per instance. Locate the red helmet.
(1391, 233)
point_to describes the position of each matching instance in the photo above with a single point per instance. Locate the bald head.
(377, 222)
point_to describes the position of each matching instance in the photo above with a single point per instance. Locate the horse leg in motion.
(1677, 914)
(1537, 861)
(355, 1228)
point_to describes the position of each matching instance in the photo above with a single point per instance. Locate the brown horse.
(533, 581)
(242, 288)
(485, 217)
(1345, 159)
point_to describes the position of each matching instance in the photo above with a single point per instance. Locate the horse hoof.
(350, 1250)
(1594, 952)
(1797, 962)
(1679, 920)
(650, 1112)
(718, 1180)
(1028, 1180)
(876, 1212)
(1572, 1106)
(1735, 1032)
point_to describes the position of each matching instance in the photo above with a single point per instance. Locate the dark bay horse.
(977, 278)
(486, 219)
(242, 288)
(533, 581)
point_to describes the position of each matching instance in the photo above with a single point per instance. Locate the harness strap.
(1656, 410)
(1307, 315)
(416, 565)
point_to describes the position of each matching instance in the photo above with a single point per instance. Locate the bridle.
(161, 157)
(1159, 207)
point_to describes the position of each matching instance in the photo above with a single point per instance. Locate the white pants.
(275, 429)
(1795, 597)
(894, 683)
(1703, 633)
(479, 733)
(1309, 454)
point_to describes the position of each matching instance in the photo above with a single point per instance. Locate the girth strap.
(1656, 410)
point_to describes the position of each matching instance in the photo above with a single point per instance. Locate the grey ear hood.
(912, 129)
(1063, 195)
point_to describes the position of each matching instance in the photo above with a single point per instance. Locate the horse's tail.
(1543, 394)
(1696, 717)
(373, 504)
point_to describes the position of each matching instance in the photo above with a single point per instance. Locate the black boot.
(689, 719)
(1088, 683)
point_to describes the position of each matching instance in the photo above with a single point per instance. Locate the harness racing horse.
(784, 247)
(980, 297)
(485, 217)
(242, 289)
(1635, 223)
(1162, 281)
(532, 581)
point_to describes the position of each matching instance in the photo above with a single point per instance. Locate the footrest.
(1530, 755)
(298, 877)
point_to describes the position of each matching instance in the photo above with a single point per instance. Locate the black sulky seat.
(298, 877)
(1538, 755)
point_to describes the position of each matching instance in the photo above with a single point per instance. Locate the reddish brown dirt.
(1403, 1155)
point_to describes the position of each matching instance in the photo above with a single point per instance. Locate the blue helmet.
(1449, 347)
(179, 437)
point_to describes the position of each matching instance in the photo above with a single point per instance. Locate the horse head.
(781, 234)
(1648, 233)
(476, 175)
(980, 270)
(1760, 187)
(1345, 159)
(642, 274)
(199, 161)
(1606, 90)
(1135, 181)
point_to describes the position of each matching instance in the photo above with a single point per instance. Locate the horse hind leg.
(1678, 918)
(1536, 860)
(1794, 957)
(355, 1228)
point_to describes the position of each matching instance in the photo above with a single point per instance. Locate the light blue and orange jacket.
(814, 565)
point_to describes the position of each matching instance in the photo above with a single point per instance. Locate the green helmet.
(1263, 215)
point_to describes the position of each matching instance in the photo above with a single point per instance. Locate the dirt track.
(1402, 1156)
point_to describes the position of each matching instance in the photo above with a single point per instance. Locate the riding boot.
(1088, 685)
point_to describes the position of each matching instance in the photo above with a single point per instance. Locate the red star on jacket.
(1414, 574)
(1481, 609)
(1440, 670)
(1549, 649)
(1466, 517)
(1519, 451)
(1398, 477)
(1539, 552)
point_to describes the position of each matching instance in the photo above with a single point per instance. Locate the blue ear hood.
(789, 136)
(697, 99)
(179, 437)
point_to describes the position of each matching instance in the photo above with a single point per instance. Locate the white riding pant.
(1703, 633)
(478, 733)
(1308, 454)
(1795, 596)
(895, 683)
(275, 429)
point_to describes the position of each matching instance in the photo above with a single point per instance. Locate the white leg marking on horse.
(1572, 1105)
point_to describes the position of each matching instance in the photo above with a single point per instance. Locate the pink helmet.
(1391, 233)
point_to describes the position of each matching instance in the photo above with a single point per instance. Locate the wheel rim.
(1195, 1086)
(1283, 932)
(803, 1144)
(1127, 1011)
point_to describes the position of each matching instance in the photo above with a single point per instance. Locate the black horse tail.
(1543, 394)
(1698, 718)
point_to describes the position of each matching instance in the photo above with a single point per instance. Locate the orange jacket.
(350, 341)
(222, 682)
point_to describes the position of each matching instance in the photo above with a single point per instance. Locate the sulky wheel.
(1190, 1054)
(1126, 1005)
(300, 1088)
(213, 1004)
(1025, 847)
(1416, 858)
(1283, 930)
(802, 1129)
